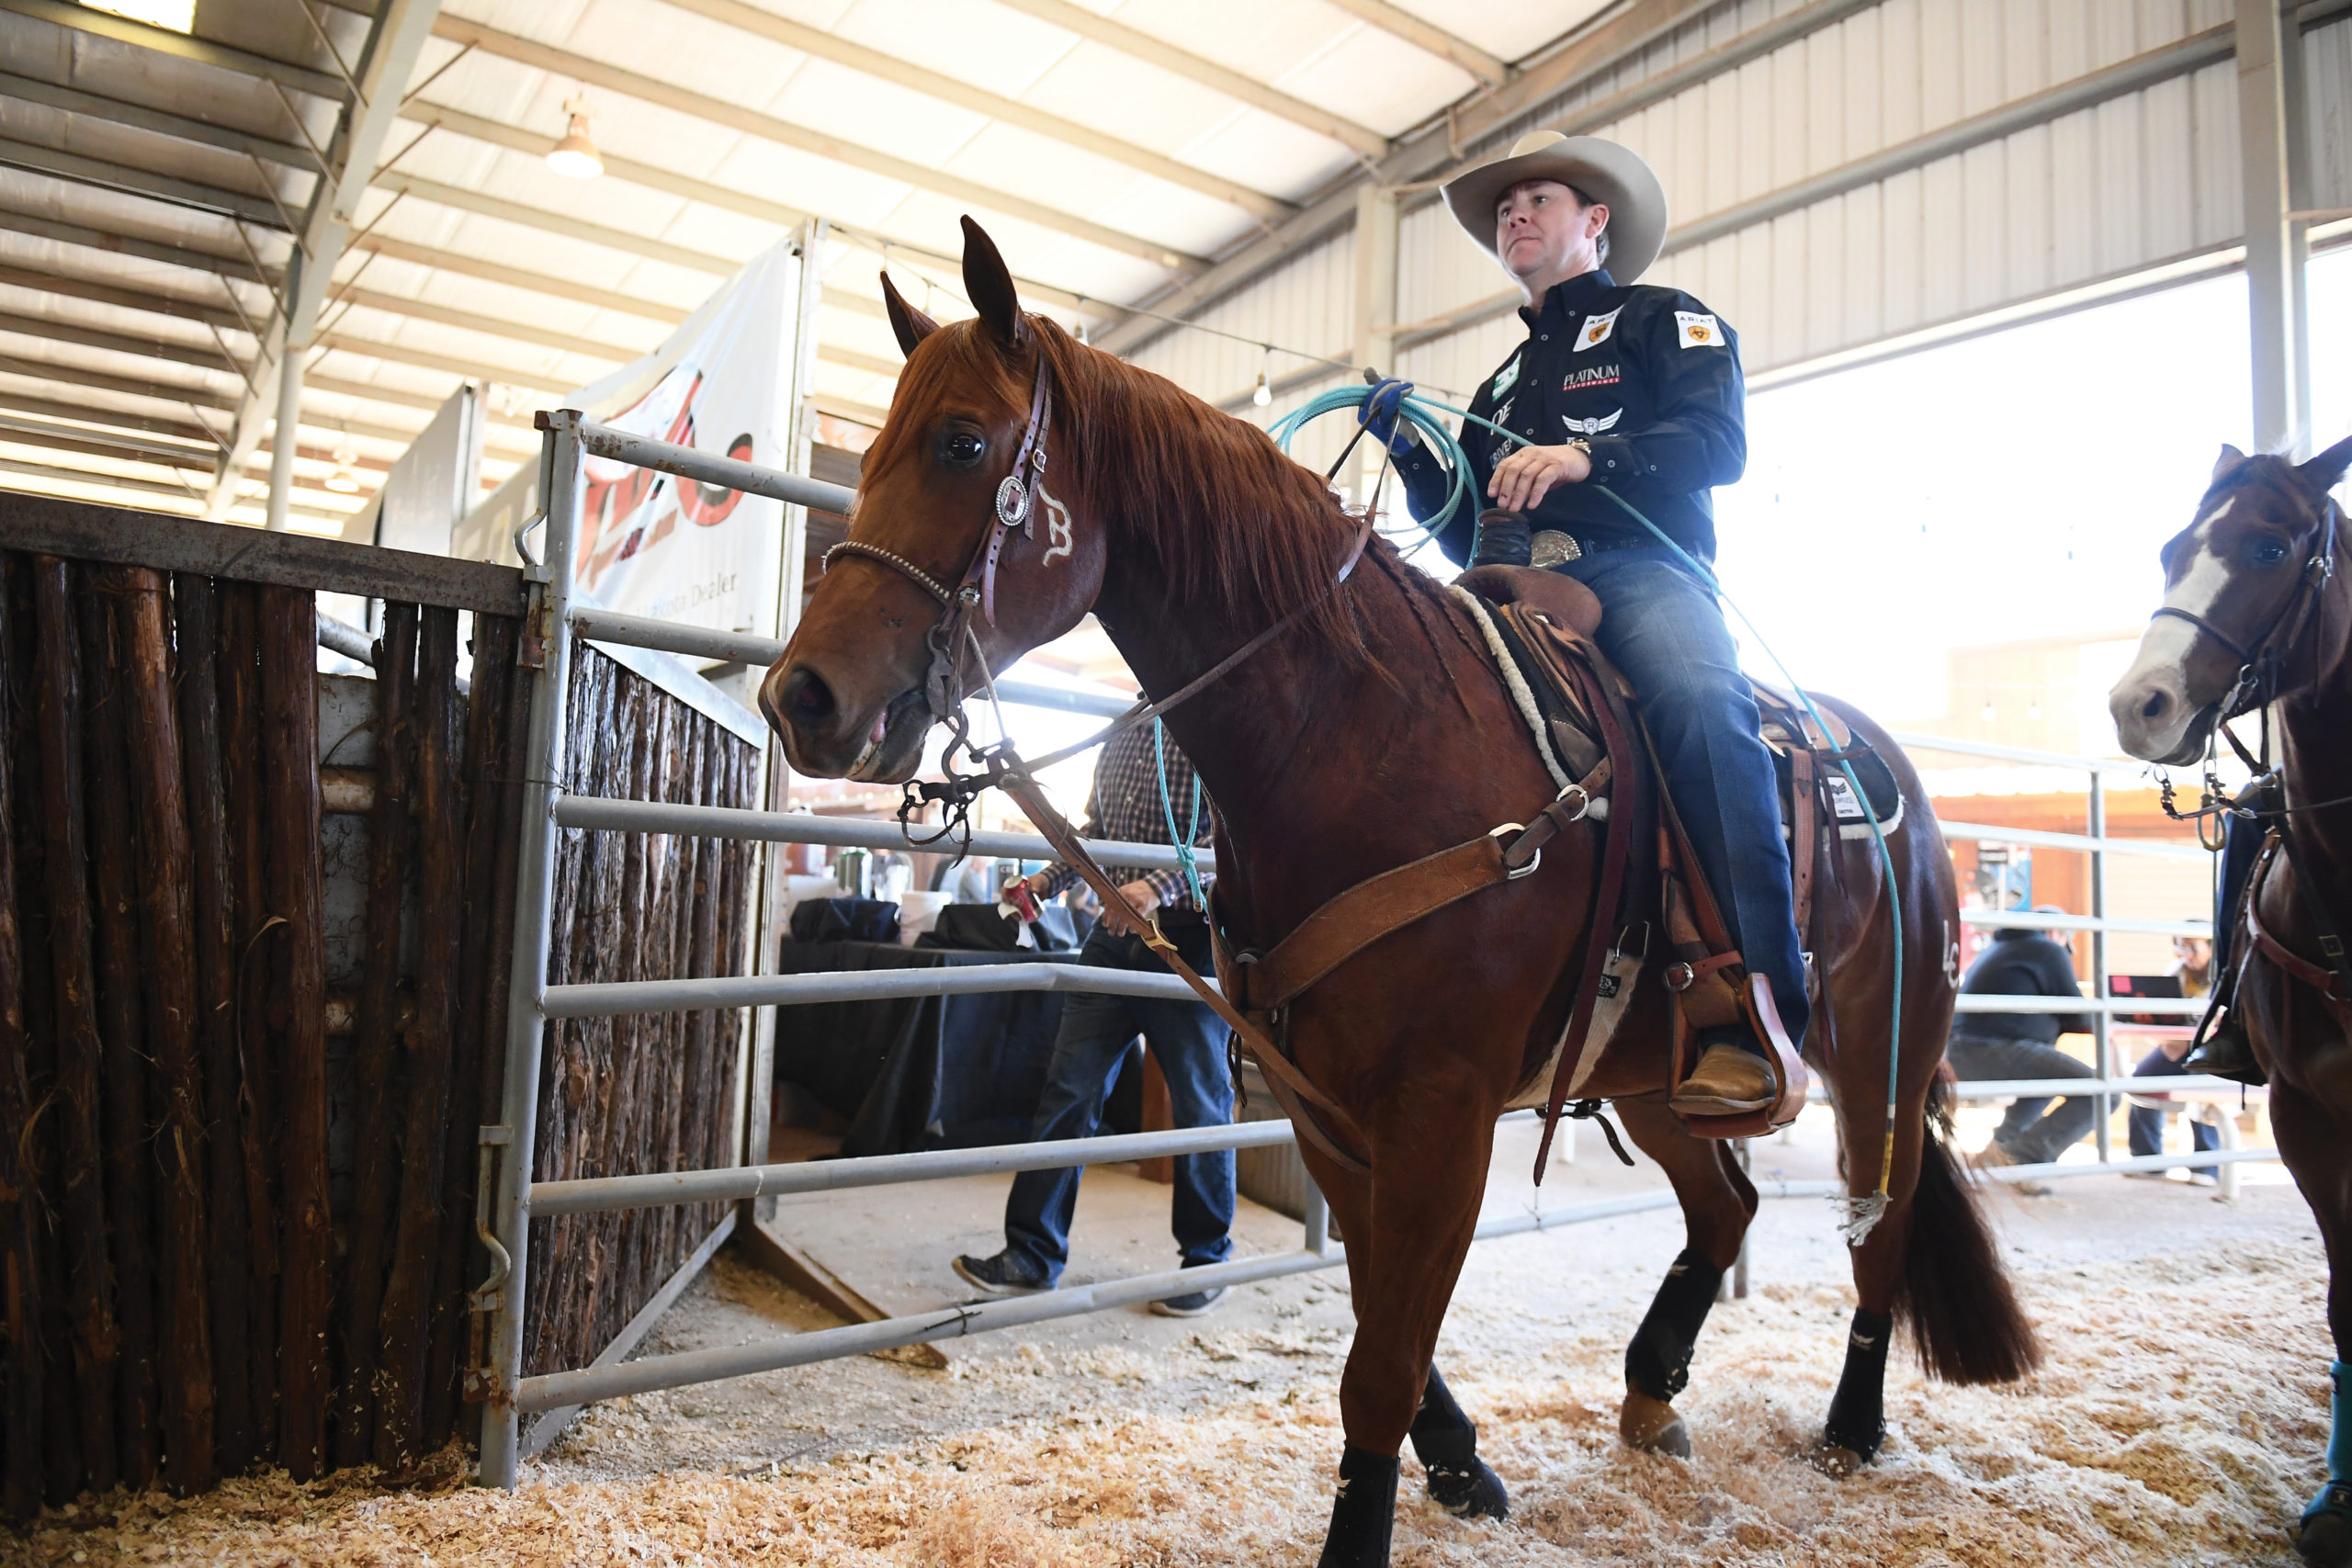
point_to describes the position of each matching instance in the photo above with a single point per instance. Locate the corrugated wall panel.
(2137, 181)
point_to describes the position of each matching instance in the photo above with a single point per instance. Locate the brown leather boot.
(1728, 1082)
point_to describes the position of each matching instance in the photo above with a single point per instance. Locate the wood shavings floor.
(2179, 1421)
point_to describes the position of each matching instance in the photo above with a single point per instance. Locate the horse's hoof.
(2326, 1539)
(1652, 1425)
(1836, 1461)
(1474, 1493)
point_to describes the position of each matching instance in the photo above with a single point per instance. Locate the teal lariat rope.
(1183, 841)
(1423, 414)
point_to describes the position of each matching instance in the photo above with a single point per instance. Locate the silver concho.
(1012, 501)
(1552, 547)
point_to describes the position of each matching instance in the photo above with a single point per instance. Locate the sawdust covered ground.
(2180, 1420)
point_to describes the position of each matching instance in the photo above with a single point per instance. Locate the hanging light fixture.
(344, 480)
(1987, 714)
(575, 157)
(1263, 392)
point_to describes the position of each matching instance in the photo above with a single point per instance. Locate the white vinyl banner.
(656, 545)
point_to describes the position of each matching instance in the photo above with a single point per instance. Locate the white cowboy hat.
(1614, 176)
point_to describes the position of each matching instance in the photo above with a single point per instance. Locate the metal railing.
(516, 1198)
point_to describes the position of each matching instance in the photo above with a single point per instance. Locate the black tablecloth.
(920, 1072)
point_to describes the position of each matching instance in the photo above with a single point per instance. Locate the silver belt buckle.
(1551, 547)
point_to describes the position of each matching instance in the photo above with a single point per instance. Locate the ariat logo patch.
(1592, 376)
(1698, 329)
(1597, 330)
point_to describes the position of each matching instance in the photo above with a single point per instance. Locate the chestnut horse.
(2258, 611)
(1370, 732)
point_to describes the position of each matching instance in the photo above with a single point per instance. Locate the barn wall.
(2141, 180)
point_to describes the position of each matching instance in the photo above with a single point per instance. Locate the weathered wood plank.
(196, 612)
(288, 631)
(21, 1295)
(85, 531)
(167, 923)
(239, 679)
(80, 1048)
(131, 1215)
(376, 1176)
(407, 1313)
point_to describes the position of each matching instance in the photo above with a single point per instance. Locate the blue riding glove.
(1381, 415)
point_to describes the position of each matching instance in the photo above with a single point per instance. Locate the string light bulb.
(1263, 392)
(575, 157)
(1987, 714)
(344, 480)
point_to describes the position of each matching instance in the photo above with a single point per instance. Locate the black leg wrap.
(1446, 1442)
(1858, 1413)
(1658, 1360)
(1363, 1514)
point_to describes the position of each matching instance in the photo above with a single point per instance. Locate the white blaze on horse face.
(1058, 533)
(2162, 666)
(2163, 651)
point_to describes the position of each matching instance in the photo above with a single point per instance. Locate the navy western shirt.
(1649, 376)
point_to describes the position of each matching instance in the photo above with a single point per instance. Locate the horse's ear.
(988, 282)
(912, 325)
(2325, 472)
(2224, 465)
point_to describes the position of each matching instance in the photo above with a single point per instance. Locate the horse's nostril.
(807, 698)
(2154, 706)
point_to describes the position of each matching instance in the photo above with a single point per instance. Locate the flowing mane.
(1218, 509)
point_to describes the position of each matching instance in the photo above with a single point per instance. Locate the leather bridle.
(1016, 501)
(2258, 677)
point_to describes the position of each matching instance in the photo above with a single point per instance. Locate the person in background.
(1186, 1038)
(2193, 964)
(1997, 1045)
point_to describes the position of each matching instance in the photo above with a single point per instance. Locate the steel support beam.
(42, 228)
(119, 111)
(2273, 257)
(111, 419)
(784, 133)
(1361, 140)
(519, 277)
(534, 144)
(548, 222)
(1429, 37)
(76, 169)
(393, 44)
(979, 100)
(1433, 152)
(184, 46)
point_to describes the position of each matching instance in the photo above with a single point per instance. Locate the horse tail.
(1955, 1292)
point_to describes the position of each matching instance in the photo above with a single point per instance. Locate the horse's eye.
(2269, 552)
(963, 447)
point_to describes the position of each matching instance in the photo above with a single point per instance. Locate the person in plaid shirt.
(1187, 1039)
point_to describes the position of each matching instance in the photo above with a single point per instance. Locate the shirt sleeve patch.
(1698, 329)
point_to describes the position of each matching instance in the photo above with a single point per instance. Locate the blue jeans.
(2025, 1134)
(2148, 1123)
(1188, 1041)
(1665, 630)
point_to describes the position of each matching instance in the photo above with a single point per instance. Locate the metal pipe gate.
(513, 1200)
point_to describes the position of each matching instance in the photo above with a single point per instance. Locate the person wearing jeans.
(1997, 1045)
(1187, 1039)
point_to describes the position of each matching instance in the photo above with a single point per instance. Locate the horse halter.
(1015, 507)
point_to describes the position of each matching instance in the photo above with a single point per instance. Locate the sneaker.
(1003, 1275)
(1192, 1305)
